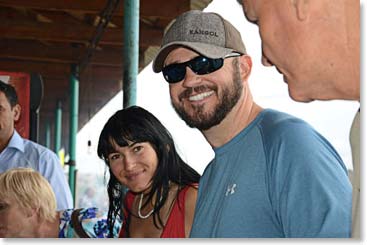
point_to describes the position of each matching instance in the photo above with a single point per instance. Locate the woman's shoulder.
(190, 202)
(189, 189)
(189, 194)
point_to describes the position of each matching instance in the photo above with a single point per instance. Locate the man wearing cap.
(272, 175)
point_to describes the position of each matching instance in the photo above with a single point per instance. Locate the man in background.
(316, 46)
(16, 151)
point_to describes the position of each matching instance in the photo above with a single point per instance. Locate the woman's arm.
(190, 202)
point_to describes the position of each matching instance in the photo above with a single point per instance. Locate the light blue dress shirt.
(24, 153)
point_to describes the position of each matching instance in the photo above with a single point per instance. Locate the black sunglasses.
(200, 65)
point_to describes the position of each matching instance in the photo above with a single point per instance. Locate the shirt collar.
(16, 141)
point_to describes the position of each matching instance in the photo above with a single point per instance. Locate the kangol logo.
(203, 32)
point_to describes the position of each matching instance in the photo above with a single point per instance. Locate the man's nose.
(191, 79)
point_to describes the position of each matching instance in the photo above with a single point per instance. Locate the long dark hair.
(136, 124)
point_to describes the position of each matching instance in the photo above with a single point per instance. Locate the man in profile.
(316, 46)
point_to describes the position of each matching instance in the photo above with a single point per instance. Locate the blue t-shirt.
(277, 178)
(23, 153)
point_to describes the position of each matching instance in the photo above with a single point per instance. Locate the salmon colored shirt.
(175, 226)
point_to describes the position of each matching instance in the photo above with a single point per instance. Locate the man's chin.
(299, 97)
(197, 121)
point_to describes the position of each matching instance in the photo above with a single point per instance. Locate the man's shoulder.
(277, 124)
(31, 147)
(274, 118)
(29, 144)
(280, 129)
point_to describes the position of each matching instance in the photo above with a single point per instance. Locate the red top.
(175, 226)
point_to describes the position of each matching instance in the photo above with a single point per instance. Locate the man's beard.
(205, 120)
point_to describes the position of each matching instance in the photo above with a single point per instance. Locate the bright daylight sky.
(331, 119)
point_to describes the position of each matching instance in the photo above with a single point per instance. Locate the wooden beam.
(36, 51)
(50, 99)
(14, 29)
(95, 85)
(59, 70)
(58, 53)
(54, 70)
(160, 8)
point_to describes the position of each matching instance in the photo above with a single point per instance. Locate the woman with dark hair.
(162, 188)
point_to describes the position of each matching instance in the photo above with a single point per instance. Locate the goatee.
(205, 120)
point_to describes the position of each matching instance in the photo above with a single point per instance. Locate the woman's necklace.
(139, 208)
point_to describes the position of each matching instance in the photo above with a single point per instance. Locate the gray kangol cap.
(206, 33)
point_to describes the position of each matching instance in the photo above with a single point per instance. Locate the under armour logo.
(230, 189)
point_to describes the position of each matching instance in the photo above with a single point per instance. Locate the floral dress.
(93, 221)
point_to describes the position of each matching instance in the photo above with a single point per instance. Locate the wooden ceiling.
(48, 37)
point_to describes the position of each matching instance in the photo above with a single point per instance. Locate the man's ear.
(16, 112)
(245, 66)
(302, 8)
